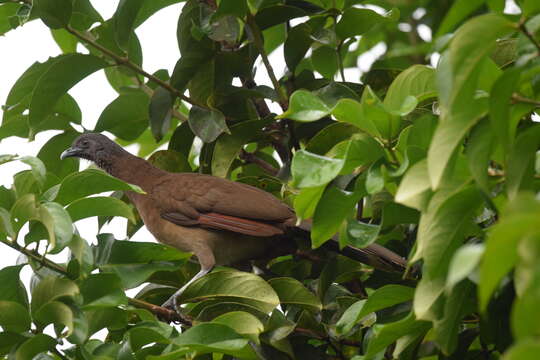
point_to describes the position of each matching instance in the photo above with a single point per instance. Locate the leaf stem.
(521, 99)
(259, 43)
(124, 61)
(36, 256)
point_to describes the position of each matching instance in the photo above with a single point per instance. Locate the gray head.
(94, 147)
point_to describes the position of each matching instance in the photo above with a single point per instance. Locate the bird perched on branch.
(222, 222)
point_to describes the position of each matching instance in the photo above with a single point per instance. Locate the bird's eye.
(85, 143)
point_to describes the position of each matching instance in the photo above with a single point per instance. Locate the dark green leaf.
(54, 13)
(207, 124)
(291, 291)
(33, 346)
(125, 117)
(359, 21)
(124, 20)
(160, 112)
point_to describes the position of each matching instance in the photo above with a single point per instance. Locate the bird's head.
(94, 147)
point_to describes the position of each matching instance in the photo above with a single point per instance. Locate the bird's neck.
(134, 170)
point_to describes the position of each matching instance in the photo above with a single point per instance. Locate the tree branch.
(516, 98)
(259, 43)
(124, 61)
(161, 312)
(523, 28)
(253, 159)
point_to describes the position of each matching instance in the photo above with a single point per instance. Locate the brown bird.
(221, 221)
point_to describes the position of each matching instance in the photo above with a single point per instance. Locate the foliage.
(439, 164)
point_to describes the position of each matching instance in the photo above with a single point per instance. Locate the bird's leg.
(171, 302)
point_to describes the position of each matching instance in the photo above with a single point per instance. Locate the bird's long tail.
(374, 255)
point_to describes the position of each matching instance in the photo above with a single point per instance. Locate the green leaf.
(458, 303)
(386, 334)
(84, 15)
(415, 189)
(311, 170)
(60, 75)
(228, 146)
(305, 106)
(60, 223)
(50, 289)
(417, 81)
(34, 345)
(211, 337)
(55, 312)
(232, 284)
(359, 21)
(291, 291)
(6, 11)
(384, 297)
(50, 154)
(464, 262)
(479, 149)
(54, 13)
(359, 234)
(126, 116)
(521, 162)
(333, 208)
(12, 288)
(325, 61)
(38, 168)
(124, 20)
(99, 206)
(14, 317)
(102, 290)
(170, 160)
(111, 251)
(243, 323)
(526, 349)
(517, 222)
(440, 233)
(65, 41)
(160, 112)
(459, 11)
(306, 201)
(207, 124)
(296, 45)
(88, 182)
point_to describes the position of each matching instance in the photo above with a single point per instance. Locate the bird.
(222, 222)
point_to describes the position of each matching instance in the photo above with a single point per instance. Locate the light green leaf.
(14, 317)
(306, 201)
(359, 21)
(415, 189)
(38, 168)
(311, 170)
(88, 182)
(33, 346)
(55, 312)
(417, 81)
(50, 289)
(464, 262)
(243, 323)
(99, 206)
(527, 349)
(440, 233)
(305, 106)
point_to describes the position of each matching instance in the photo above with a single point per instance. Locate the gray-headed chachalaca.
(220, 221)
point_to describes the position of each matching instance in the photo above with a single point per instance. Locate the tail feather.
(374, 255)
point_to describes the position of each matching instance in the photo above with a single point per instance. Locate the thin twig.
(36, 256)
(527, 33)
(252, 158)
(259, 43)
(124, 61)
(516, 98)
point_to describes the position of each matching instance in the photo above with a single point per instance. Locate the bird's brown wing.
(196, 199)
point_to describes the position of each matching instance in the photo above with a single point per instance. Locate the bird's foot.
(175, 313)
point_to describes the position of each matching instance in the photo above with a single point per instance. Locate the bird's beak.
(70, 152)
